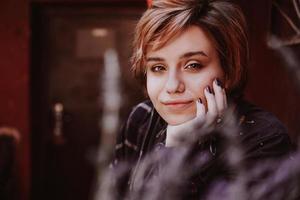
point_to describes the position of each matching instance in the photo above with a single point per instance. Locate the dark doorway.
(69, 44)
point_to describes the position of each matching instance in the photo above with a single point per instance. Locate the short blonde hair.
(223, 20)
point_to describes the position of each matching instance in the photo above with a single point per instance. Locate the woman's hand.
(216, 104)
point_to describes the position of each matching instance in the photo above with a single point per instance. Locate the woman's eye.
(193, 66)
(157, 68)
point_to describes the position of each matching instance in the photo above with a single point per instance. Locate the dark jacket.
(261, 135)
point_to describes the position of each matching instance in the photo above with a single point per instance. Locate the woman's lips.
(177, 105)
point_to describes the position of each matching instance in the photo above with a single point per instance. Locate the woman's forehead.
(193, 39)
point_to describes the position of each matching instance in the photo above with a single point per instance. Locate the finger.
(212, 111)
(219, 96)
(200, 109)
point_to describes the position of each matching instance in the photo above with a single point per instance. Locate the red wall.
(14, 80)
(270, 85)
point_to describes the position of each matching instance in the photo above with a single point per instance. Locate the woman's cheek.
(153, 87)
(199, 87)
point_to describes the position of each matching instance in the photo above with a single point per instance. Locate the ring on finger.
(219, 120)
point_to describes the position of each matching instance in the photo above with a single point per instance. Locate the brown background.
(270, 85)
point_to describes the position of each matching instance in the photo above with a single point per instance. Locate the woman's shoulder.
(141, 111)
(262, 133)
(128, 138)
(137, 118)
(255, 116)
(139, 115)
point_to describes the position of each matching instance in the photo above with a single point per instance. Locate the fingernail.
(219, 83)
(200, 100)
(208, 89)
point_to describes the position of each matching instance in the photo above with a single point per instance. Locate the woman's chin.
(178, 119)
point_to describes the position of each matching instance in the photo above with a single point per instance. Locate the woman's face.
(178, 73)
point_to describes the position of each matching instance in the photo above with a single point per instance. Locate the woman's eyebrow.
(190, 54)
(154, 59)
(186, 55)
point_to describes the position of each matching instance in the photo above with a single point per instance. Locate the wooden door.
(69, 82)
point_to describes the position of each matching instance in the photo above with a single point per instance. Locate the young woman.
(191, 56)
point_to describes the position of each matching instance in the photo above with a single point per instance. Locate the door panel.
(69, 84)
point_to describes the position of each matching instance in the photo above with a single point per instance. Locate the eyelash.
(195, 66)
(157, 68)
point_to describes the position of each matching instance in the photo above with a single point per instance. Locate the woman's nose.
(174, 83)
